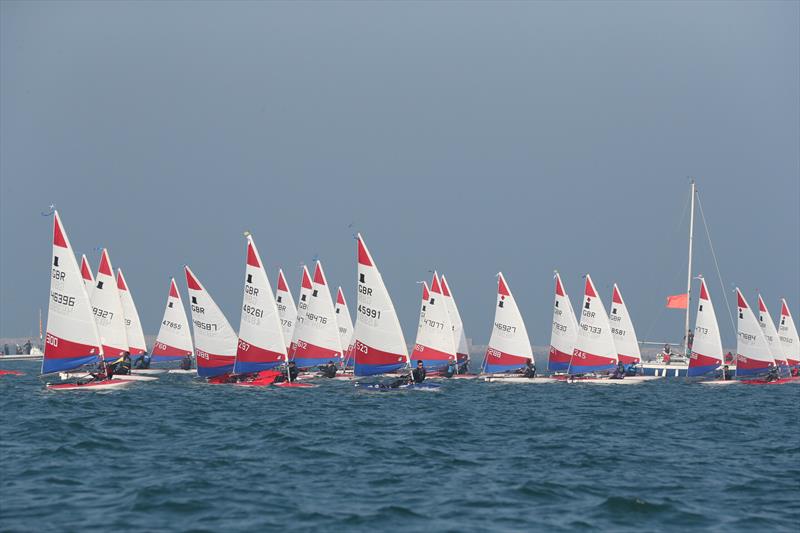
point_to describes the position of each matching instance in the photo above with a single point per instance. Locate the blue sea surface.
(179, 454)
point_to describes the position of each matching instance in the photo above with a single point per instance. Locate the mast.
(689, 274)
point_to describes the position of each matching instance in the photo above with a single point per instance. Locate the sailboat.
(378, 343)
(317, 336)
(88, 277)
(622, 330)
(435, 345)
(771, 335)
(287, 311)
(302, 307)
(462, 347)
(261, 345)
(509, 345)
(72, 340)
(174, 341)
(345, 324)
(787, 332)
(753, 353)
(214, 339)
(108, 311)
(707, 354)
(564, 333)
(133, 326)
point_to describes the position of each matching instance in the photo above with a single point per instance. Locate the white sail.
(215, 341)
(108, 311)
(261, 343)
(787, 331)
(509, 345)
(435, 344)
(594, 348)
(753, 354)
(133, 326)
(72, 339)
(88, 277)
(378, 345)
(622, 330)
(318, 340)
(771, 334)
(287, 310)
(302, 307)
(706, 355)
(426, 295)
(343, 320)
(564, 332)
(462, 347)
(174, 340)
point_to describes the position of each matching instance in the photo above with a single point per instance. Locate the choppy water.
(183, 455)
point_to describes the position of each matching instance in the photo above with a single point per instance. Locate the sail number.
(592, 329)
(59, 274)
(366, 311)
(361, 347)
(171, 324)
(505, 327)
(618, 332)
(254, 311)
(52, 340)
(243, 346)
(62, 299)
(316, 318)
(205, 326)
(559, 327)
(102, 313)
(286, 323)
(434, 324)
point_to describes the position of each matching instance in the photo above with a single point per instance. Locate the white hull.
(149, 371)
(519, 380)
(84, 375)
(719, 382)
(181, 371)
(607, 381)
(102, 386)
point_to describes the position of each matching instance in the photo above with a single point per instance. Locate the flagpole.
(689, 275)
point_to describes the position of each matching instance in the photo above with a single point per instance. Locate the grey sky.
(467, 137)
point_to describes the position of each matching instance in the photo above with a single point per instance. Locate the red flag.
(678, 301)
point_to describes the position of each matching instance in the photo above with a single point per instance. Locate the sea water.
(180, 454)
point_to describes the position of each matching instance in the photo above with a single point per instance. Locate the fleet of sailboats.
(92, 319)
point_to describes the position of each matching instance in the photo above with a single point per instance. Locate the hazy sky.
(469, 137)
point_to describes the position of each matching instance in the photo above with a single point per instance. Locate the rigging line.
(661, 286)
(716, 263)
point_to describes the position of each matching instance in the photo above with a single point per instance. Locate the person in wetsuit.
(186, 363)
(123, 367)
(290, 375)
(619, 372)
(451, 368)
(772, 375)
(529, 371)
(419, 373)
(329, 370)
(142, 361)
(727, 375)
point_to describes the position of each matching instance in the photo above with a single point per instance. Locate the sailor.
(186, 362)
(419, 373)
(292, 371)
(530, 369)
(329, 370)
(726, 373)
(142, 361)
(630, 370)
(451, 368)
(123, 364)
(772, 375)
(619, 372)
(795, 371)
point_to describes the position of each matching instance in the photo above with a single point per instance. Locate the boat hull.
(105, 384)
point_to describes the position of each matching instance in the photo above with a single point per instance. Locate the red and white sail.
(771, 335)
(174, 341)
(287, 310)
(108, 311)
(594, 349)
(622, 330)
(306, 286)
(753, 354)
(72, 339)
(435, 345)
(378, 343)
(509, 345)
(133, 326)
(787, 331)
(318, 340)
(261, 344)
(564, 332)
(706, 353)
(343, 320)
(88, 277)
(215, 342)
(462, 347)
